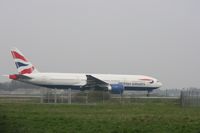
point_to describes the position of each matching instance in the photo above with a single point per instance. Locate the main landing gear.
(148, 92)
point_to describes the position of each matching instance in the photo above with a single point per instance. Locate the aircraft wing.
(95, 83)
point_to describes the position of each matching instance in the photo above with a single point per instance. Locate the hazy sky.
(159, 38)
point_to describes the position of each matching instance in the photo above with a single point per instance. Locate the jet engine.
(116, 88)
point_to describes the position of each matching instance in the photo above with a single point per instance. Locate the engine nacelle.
(116, 88)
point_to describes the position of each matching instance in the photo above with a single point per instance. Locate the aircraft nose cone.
(160, 84)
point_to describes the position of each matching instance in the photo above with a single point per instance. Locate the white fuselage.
(75, 80)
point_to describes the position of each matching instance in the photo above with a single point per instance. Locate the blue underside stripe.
(79, 87)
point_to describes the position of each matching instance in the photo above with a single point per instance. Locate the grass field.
(147, 117)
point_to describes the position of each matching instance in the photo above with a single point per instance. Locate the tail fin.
(22, 64)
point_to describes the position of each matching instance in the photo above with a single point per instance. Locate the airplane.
(113, 83)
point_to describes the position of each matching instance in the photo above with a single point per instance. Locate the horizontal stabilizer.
(18, 76)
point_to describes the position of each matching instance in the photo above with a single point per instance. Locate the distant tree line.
(12, 85)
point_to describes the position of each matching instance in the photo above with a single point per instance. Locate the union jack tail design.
(22, 64)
